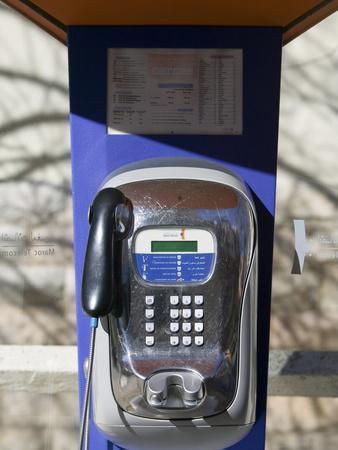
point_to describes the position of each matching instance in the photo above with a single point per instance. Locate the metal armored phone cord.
(84, 429)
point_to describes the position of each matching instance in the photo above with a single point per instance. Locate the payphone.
(170, 270)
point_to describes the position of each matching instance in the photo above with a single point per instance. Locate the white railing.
(53, 369)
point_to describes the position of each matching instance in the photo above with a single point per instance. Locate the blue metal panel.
(253, 154)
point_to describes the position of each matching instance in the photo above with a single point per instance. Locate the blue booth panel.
(252, 154)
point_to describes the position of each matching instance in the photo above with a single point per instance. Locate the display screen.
(173, 246)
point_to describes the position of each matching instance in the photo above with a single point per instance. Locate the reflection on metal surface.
(228, 215)
(174, 390)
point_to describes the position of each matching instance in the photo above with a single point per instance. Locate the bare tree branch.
(33, 119)
(41, 82)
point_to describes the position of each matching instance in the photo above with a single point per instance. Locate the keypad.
(187, 317)
(149, 316)
(185, 321)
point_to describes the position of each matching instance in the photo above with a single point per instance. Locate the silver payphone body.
(175, 365)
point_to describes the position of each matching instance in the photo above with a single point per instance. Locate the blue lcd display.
(174, 268)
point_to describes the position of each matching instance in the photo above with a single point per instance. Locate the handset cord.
(85, 425)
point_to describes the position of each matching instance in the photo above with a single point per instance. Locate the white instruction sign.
(174, 91)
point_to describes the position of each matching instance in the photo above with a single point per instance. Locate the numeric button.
(149, 313)
(199, 340)
(199, 327)
(186, 300)
(186, 313)
(186, 327)
(186, 340)
(198, 300)
(174, 327)
(199, 313)
(174, 313)
(149, 300)
(174, 340)
(174, 300)
(150, 327)
(150, 341)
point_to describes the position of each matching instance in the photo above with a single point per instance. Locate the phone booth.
(174, 125)
(190, 139)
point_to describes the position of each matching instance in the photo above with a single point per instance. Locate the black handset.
(111, 220)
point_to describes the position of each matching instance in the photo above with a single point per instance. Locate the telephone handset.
(110, 218)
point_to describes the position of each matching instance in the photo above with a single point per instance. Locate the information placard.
(174, 91)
